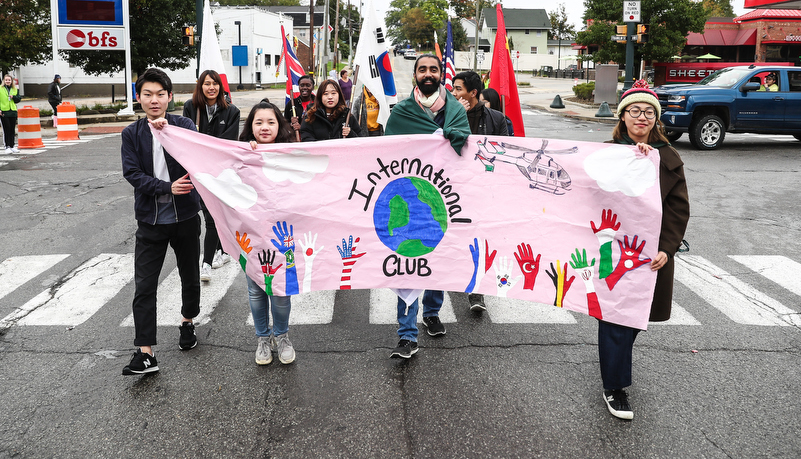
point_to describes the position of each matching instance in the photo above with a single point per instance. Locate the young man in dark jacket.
(306, 87)
(54, 94)
(166, 208)
(483, 120)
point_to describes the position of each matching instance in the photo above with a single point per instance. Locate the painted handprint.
(528, 264)
(287, 247)
(503, 275)
(481, 264)
(558, 275)
(629, 260)
(475, 254)
(245, 248)
(586, 272)
(605, 232)
(309, 254)
(266, 259)
(349, 258)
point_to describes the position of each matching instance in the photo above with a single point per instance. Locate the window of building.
(533, 50)
(527, 31)
(277, 59)
(539, 33)
(267, 59)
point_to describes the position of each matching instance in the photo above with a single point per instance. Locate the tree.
(416, 28)
(669, 22)
(24, 33)
(467, 8)
(397, 10)
(156, 40)
(719, 8)
(434, 12)
(560, 28)
(260, 2)
(460, 42)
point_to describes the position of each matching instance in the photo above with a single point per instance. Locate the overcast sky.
(574, 8)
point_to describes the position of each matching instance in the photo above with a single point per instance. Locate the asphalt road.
(711, 384)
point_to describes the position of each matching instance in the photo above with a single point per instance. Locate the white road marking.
(777, 268)
(16, 271)
(313, 308)
(514, 311)
(678, 316)
(82, 293)
(737, 300)
(384, 308)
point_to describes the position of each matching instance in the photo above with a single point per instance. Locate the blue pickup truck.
(734, 99)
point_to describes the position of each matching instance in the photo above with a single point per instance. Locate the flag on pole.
(447, 62)
(294, 70)
(373, 61)
(502, 77)
(210, 55)
(436, 46)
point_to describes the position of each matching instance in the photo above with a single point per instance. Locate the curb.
(574, 115)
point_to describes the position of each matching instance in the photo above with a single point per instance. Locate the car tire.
(707, 133)
(672, 135)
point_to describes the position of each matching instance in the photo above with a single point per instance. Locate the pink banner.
(560, 222)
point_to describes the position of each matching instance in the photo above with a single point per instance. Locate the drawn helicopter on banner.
(538, 167)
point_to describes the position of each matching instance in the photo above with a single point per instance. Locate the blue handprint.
(287, 247)
(475, 253)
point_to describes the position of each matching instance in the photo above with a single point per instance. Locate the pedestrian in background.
(166, 207)
(9, 97)
(365, 109)
(329, 118)
(213, 116)
(54, 94)
(638, 124)
(346, 84)
(265, 125)
(490, 98)
(295, 112)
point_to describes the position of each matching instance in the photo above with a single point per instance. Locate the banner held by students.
(373, 61)
(210, 55)
(502, 77)
(568, 223)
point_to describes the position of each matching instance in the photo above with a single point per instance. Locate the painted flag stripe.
(16, 271)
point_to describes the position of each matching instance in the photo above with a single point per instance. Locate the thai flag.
(447, 60)
(293, 69)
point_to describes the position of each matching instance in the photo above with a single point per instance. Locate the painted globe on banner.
(410, 217)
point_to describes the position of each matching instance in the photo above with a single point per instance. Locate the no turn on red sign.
(86, 38)
(631, 11)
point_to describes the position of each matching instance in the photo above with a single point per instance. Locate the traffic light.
(621, 29)
(189, 35)
(642, 33)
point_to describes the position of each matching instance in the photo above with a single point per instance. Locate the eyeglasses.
(636, 112)
(770, 78)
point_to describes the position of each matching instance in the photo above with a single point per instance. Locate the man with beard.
(295, 111)
(429, 109)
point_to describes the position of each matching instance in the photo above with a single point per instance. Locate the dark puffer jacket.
(224, 124)
(323, 129)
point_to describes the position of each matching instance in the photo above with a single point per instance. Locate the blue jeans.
(260, 308)
(407, 319)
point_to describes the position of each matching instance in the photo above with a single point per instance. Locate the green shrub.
(584, 90)
(45, 112)
(179, 103)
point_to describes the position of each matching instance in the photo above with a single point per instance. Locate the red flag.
(502, 77)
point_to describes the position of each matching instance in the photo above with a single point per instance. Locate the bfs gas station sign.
(90, 25)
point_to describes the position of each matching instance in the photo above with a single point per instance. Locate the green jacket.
(408, 118)
(6, 104)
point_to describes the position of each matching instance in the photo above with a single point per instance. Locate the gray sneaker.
(282, 345)
(264, 354)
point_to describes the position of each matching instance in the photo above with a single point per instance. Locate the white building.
(261, 33)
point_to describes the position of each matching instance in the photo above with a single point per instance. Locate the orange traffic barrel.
(67, 122)
(29, 128)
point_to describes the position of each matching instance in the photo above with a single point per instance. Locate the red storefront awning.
(724, 37)
(745, 37)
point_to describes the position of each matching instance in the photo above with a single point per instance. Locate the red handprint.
(488, 257)
(528, 264)
(629, 260)
(608, 221)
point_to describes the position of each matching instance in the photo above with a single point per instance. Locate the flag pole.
(352, 93)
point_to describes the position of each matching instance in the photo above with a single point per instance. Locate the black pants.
(9, 124)
(151, 248)
(211, 243)
(55, 108)
(615, 346)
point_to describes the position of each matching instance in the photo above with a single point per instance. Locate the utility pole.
(350, 39)
(336, 37)
(311, 37)
(198, 32)
(324, 51)
(478, 18)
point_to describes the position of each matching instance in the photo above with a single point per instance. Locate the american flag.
(447, 60)
(293, 69)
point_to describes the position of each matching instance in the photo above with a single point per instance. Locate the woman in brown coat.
(638, 113)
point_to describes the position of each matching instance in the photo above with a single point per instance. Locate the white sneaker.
(205, 272)
(264, 355)
(14, 150)
(9, 151)
(282, 345)
(220, 258)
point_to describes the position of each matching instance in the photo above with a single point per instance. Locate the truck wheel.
(672, 135)
(707, 133)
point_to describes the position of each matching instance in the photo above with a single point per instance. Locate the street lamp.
(239, 27)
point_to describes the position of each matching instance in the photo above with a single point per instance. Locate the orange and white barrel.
(29, 128)
(67, 122)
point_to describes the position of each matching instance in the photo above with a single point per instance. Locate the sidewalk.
(538, 95)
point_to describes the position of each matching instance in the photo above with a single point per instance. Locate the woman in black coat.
(213, 116)
(327, 118)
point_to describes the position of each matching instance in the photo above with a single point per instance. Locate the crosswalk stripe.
(313, 308)
(168, 296)
(777, 268)
(79, 296)
(384, 308)
(734, 298)
(515, 311)
(678, 316)
(16, 271)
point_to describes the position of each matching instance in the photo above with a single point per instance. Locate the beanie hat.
(57, 76)
(639, 92)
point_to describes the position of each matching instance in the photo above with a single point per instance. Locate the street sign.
(631, 11)
(90, 38)
(90, 13)
(619, 38)
(515, 54)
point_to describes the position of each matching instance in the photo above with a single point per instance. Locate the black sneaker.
(476, 301)
(188, 340)
(141, 363)
(405, 350)
(618, 403)
(434, 326)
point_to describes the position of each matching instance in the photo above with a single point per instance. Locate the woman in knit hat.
(638, 113)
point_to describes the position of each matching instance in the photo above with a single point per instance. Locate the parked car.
(730, 100)
(410, 54)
